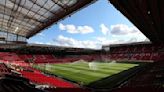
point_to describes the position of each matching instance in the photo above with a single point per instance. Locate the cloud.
(37, 42)
(97, 43)
(104, 29)
(70, 28)
(67, 41)
(117, 34)
(146, 39)
(62, 27)
(122, 29)
(105, 41)
(41, 34)
(132, 40)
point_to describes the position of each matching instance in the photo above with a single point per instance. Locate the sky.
(91, 27)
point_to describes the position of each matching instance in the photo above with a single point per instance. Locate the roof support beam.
(32, 16)
(146, 15)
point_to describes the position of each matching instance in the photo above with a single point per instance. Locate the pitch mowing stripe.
(69, 75)
(104, 64)
(88, 69)
(70, 70)
(76, 76)
(73, 70)
(99, 70)
(85, 79)
(77, 64)
(90, 73)
(83, 73)
(86, 65)
(80, 71)
(119, 64)
(117, 68)
(108, 71)
(98, 66)
(96, 71)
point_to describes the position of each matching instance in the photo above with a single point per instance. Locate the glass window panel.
(42, 11)
(41, 2)
(9, 4)
(28, 4)
(56, 8)
(48, 14)
(36, 8)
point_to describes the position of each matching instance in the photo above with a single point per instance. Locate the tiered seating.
(86, 57)
(114, 56)
(49, 58)
(150, 79)
(10, 83)
(39, 59)
(136, 56)
(138, 52)
(40, 78)
(69, 59)
(97, 57)
(8, 56)
(155, 56)
(4, 70)
(146, 56)
(25, 57)
(148, 49)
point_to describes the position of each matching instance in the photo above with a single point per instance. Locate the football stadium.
(123, 67)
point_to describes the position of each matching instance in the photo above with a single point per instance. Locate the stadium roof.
(28, 17)
(128, 44)
(147, 15)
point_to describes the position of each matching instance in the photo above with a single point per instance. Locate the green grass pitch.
(84, 72)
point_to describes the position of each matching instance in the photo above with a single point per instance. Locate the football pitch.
(85, 72)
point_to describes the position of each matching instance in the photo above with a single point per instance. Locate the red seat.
(43, 79)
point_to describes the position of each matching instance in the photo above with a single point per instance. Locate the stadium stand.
(40, 78)
(9, 56)
(11, 83)
(24, 57)
(116, 53)
(137, 51)
(68, 90)
(150, 79)
(16, 84)
(44, 58)
(34, 75)
(4, 70)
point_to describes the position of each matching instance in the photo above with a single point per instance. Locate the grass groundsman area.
(86, 73)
